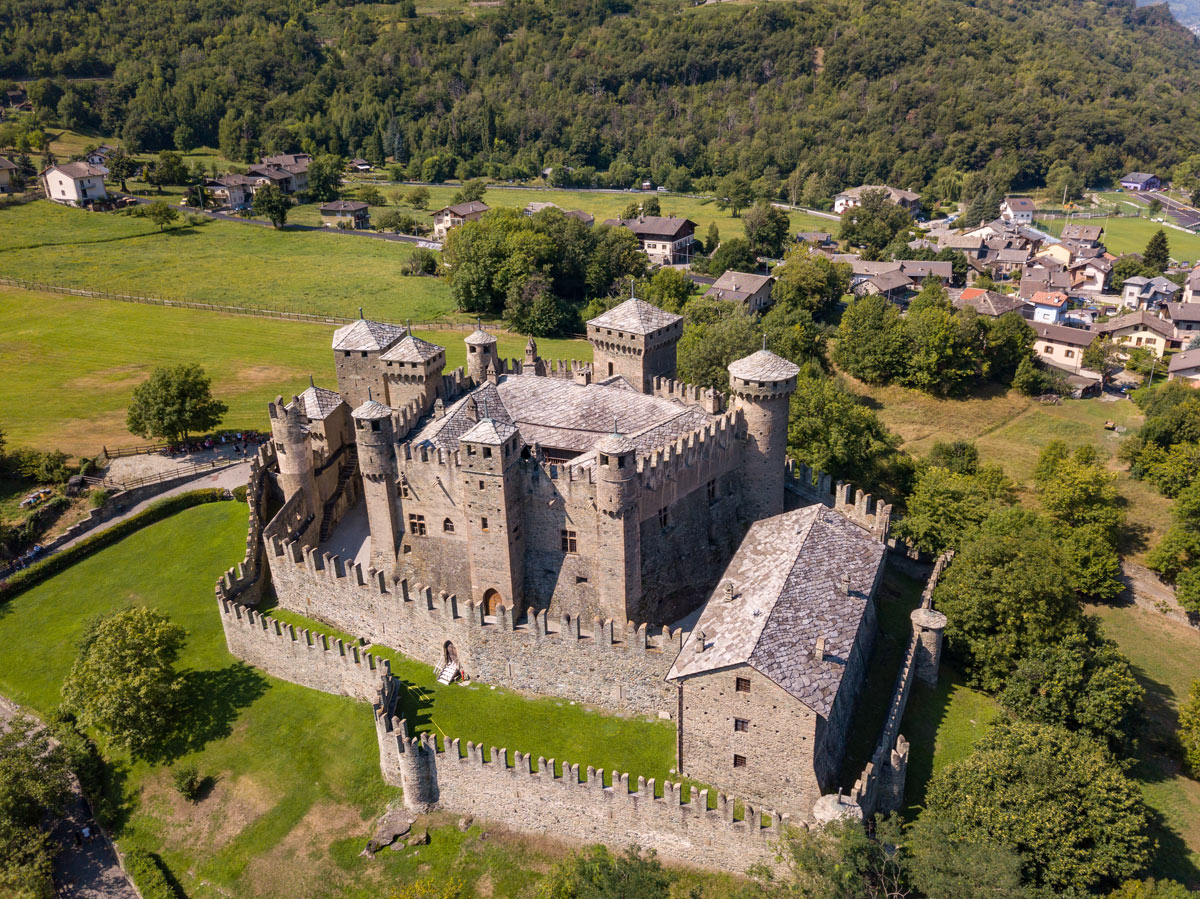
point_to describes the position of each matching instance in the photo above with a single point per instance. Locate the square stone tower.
(412, 370)
(636, 341)
(356, 351)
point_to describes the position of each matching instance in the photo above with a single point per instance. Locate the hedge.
(146, 871)
(52, 565)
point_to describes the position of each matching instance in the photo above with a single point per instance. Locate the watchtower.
(377, 461)
(293, 444)
(356, 351)
(481, 355)
(619, 585)
(412, 371)
(492, 498)
(636, 341)
(762, 384)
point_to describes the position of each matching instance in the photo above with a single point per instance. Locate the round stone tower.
(481, 354)
(293, 447)
(762, 384)
(619, 587)
(418, 774)
(929, 625)
(377, 462)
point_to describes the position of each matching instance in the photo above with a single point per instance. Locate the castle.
(550, 506)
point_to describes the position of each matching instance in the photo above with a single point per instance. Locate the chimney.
(439, 408)
(844, 584)
(698, 643)
(729, 593)
(819, 652)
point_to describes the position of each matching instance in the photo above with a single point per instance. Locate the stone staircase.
(347, 468)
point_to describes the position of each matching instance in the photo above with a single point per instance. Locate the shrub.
(187, 781)
(239, 493)
(98, 498)
(147, 872)
(35, 574)
(1189, 729)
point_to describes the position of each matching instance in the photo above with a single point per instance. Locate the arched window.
(448, 526)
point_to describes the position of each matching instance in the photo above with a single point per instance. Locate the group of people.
(24, 560)
(242, 442)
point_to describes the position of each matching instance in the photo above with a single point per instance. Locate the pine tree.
(1158, 252)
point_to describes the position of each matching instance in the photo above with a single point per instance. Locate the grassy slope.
(1125, 234)
(71, 364)
(217, 262)
(297, 770)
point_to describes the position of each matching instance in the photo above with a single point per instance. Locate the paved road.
(90, 871)
(235, 475)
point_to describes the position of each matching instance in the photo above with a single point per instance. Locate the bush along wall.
(36, 573)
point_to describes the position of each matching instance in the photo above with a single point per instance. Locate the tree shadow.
(209, 704)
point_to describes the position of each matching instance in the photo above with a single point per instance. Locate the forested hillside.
(827, 92)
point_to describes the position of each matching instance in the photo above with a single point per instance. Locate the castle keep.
(510, 522)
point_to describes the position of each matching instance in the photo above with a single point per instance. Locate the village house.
(16, 97)
(1085, 235)
(1139, 329)
(821, 240)
(351, 214)
(849, 199)
(988, 302)
(74, 183)
(1055, 255)
(1043, 275)
(666, 240)
(1017, 210)
(231, 190)
(1008, 261)
(359, 165)
(1191, 287)
(915, 273)
(294, 164)
(892, 285)
(1141, 181)
(973, 246)
(1060, 345)
(99, 156)
(1148, 293)
(452, 216)
(8, 171)
(1184, 318)
(262, 175)
(1091, 274)
(1049, 306)
(1185, 366)
(752, 291)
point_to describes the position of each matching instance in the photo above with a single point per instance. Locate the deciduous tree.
(175, 402)
(273, 204)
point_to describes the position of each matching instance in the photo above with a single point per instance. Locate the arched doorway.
(449, 653)
(493, 601)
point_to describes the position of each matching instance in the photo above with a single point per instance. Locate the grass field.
(297, 774)
(70, 364)
(217, 262)
(1125, 234)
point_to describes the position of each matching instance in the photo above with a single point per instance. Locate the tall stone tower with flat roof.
(636, 341)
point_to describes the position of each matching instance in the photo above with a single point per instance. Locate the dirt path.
(90, 871)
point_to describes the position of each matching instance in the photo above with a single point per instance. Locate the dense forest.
(809, 97)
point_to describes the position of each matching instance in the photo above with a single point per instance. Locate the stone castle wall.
(616, 667)
(554, 800)
(300, 656)
(244, 581)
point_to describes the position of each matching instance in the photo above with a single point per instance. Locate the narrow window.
(580, 580)
(739, 761)
(487, 452)
(569, 543)
(483, 526)
(712, 491)
(448, 526)
(364, 355)
(416, 525)
(663, 518)
(481, 485)
(741, 725)
(742, 685)
(374, 425)
(404, 492)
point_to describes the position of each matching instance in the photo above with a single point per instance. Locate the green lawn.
(217, 262)
(610, 204)
(70, 364)
(1126, 234)
(297, 772)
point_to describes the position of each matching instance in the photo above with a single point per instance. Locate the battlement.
(861, 508)
(711, 401)
(302, 656)
(292, 409)
(245, 578)
(507, 786)
(689, 450)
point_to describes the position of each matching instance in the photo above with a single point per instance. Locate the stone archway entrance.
(450, 668)
(493, 601)
(449, 653)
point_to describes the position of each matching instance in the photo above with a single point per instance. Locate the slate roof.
(738, 286)
(785, 595)
(1186, 359)
(661, 227)
(489, 431)
(987, 302)
(560, 414)
(480, 337)
(367, 335)
(886, 282)
(318, 402)
(1136, 178)
(78, 170)
(895, 194)
(1183, 312)
(1063, 334)
(763, 366)
(1020, 204)
(1133, 319)
(636, 317)
(1082, 232)
(6, 164)
(412, 349)
(371, 410)
(464, 209)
